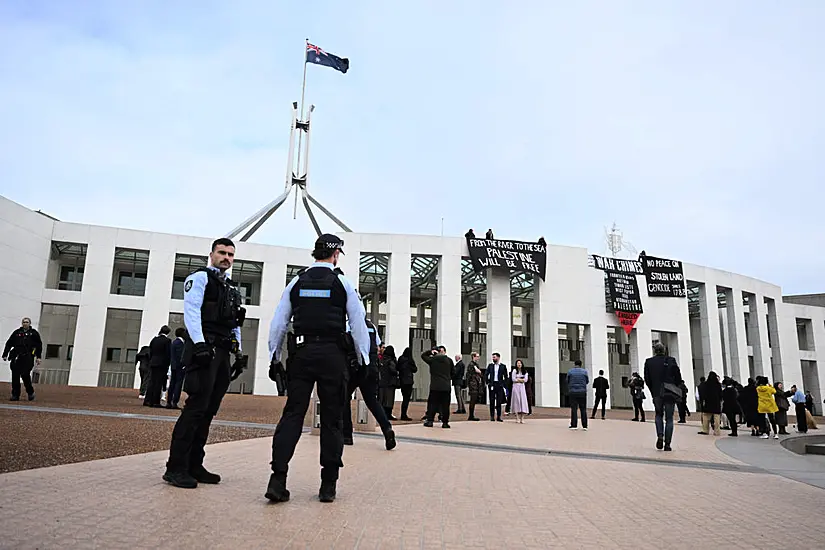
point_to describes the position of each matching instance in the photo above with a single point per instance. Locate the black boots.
(202, 475)
(327, 491)
(180, 479)
(276, 491)
(389, 440)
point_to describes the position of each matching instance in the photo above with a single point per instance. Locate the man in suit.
(662, 369)
(176, 381)
(24, 348)
(601, 385)
(458, 383)
(441, 368)
(160, 356)
(496, 377)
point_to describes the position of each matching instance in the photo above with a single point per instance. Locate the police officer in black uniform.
(366, 379)
(319, 301)
(24, 348)
(213, 316)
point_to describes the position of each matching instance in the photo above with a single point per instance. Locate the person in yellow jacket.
(766, 405)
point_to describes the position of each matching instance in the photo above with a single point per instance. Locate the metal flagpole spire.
(293, 169)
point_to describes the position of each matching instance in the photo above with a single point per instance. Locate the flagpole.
(301, 117)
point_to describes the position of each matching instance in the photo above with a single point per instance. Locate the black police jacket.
(25, 345)
(319, 303)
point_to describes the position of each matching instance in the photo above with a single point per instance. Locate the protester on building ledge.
(470, 234)
(489, 235)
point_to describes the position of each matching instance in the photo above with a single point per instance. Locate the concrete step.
(815, 449)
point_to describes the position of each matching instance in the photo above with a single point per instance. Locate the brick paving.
(418, 496)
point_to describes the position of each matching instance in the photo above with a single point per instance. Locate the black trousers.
(731, 420)
(406, 395)
(496, 397)
(157, 379)
(603, 400)
(175, 387)
(801, 419)
(683, 410)
(367, 384)
(638, 410)
(578, 403)
(144, 380)
(438, 402)
(459, 399)
(205, 388)
(21, 371)
(324, 364)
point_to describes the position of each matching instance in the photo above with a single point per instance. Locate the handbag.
(671, 391)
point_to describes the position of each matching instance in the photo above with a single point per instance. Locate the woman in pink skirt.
(518, 401)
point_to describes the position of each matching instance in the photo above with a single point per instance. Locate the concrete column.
(375, 305)
(87, 354)
(730, 370)
(595, 359)
(791, 365)
(573, 336)
(775, 340)
(465, 319)
(159, 276)
(737, 342)
(434, 315)
(419, 316)
(545, 347)
(710, 333)
(398, 299)
(527, 321)
(475, 321)
(679, 345)
(759, 327)
(447, 312)
(817, 342)
(640, 349)
(499, 328)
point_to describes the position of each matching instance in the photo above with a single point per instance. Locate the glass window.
(71, 278)
(131, 284)
(130, 271)
(177, 287)
(69, 353)
(131, 355)
(113, 355)
(52, 351)
(184, 266)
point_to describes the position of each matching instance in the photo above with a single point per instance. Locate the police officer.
(319, 301)
(24, 347)
(212, 314)
(366, 379)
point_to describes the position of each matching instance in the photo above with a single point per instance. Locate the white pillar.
(710, 334)
(790, 362)
(273, 283)
(595, 358)
(91, 315)
(398, 299)
(449, 307)
(499, 329)
(465, 318)
(545, 341)
(640, 349)
(159, 276)
(375, 304)
(819, 347)
(759, 324)
(738, 343)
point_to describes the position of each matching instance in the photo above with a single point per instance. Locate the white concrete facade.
(573, 294)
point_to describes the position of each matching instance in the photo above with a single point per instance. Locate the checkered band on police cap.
(327, 241)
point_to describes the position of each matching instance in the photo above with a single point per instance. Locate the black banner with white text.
(665, 278)
(512, 255)
(623, 288)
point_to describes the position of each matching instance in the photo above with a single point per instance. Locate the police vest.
(221, 302)
(373, 343)
(319, 303)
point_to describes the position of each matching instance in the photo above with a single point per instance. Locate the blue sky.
(697, 128)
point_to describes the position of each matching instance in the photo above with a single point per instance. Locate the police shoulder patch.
(187, 286)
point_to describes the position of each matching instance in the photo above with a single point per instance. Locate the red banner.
(627, 320)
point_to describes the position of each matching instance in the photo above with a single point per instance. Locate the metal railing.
(116, 379)
(59, 377)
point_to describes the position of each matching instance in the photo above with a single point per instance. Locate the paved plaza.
(480, 485)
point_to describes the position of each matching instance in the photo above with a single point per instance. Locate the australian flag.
(320, 57)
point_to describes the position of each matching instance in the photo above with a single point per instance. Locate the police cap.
(328, 241)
